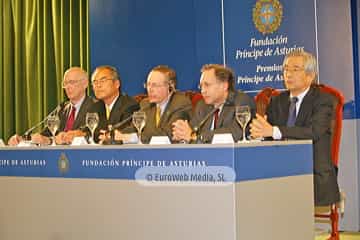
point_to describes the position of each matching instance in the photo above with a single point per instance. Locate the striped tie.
(292, 112)
(71, 119)
(157, 116)
(107, 112)
(216, 118)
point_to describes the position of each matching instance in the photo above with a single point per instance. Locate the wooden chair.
(262, 99)
(194, 97)
(336, 124)
(140, 97)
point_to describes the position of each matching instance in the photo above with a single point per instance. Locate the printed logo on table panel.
(63, 164)
(267, 15)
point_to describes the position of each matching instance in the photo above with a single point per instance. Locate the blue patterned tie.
(292, 112)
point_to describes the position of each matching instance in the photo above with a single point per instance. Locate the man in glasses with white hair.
(71, 113)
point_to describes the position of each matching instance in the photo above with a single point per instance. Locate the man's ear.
(117, 84)
(226, 85)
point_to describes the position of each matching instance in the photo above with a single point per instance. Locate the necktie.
(107, 112)
(71, 119)
(292, 112)
(216, 118)
(157, 116)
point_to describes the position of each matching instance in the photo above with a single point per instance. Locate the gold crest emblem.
(63, 164)
(267, 15)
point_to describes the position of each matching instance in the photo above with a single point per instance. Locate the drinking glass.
(92, 121)
(53, 123)
(243, 116)
(139, 120)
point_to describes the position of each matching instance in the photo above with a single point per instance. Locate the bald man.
(71, 113)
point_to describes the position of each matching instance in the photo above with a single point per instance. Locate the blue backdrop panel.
(136, 35)
(297, 30)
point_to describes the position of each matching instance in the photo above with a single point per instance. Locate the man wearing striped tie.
(162, 107)
(71, 113)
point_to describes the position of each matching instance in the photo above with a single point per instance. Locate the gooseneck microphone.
(113, 127)
(55, 111)
(196, 129)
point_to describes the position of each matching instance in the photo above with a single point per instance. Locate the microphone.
(132, 109)
(55, 111)
(197, 127)
(111, 128)
(122, 123)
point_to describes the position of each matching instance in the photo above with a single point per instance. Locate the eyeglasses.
(205, 85)
(100, 81)
(154, 85)
(70, 82)
(293, 70)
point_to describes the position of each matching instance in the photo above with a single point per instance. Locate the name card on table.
(222, 138)
(77, 141)
(160, 140)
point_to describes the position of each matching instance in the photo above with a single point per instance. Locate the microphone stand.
(27, 133)
(198, 127)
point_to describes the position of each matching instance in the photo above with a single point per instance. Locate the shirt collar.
(112, 103)
(301, 96)
(78, 104)
(163, 105)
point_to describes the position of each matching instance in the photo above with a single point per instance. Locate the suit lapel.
(152, 112)
(81, 114)
(63, 115)
(224, 114)
(304, 107)
(228, 110)
(115, 108)
(208, 123)
(284, 109)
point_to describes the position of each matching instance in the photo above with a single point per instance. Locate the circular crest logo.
(63, 164)
(267, 15)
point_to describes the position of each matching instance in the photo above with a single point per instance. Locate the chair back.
(336, 123)
(262, 99)
(140, 97)
(194, 97)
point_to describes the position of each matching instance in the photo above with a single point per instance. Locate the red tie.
(71, 119)
(216, 118)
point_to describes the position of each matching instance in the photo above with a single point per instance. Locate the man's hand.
(181, 130)
(40, 139)
(68, 137)
(260, 127)
(119, 136)
(14, 140)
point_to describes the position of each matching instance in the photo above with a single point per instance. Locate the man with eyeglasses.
(162, 107)
(113, 107)
(220, 98)
(71, 113)
(303, 112)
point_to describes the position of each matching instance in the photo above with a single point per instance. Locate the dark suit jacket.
(227, 122)
(64, 114)
(313, 122)
(178, 107)
(122, 109)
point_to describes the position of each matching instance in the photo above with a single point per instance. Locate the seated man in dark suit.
(71, 113)
(218, 91)
(113, 107)
(162, 107)
(303, 112)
